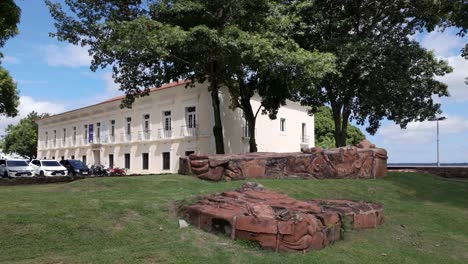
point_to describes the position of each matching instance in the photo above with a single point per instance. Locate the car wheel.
(41, 174)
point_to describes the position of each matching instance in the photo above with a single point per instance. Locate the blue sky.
(53, 77)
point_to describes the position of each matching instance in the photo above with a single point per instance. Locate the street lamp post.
(437, 119)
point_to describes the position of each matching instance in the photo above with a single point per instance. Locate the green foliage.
(9, 18)
(9, 99)
(325, 130)
(239, 44)
(381, 72)
(22, 138)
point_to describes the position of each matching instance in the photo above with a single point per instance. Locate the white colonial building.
(172, 122)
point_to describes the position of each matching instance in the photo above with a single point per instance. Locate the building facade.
(171, 122)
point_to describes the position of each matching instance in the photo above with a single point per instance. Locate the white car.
(49, 168)
(15, 168)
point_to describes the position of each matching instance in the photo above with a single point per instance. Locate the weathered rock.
(364, 161)
(278, 222)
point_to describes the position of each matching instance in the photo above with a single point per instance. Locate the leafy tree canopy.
(9, 99)
(381, 71)
(9, 18)
(325, 130)
(22, 138)
(240, 44)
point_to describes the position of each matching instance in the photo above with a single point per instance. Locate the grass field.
(132, 220)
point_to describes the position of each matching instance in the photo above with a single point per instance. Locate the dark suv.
(75, 167)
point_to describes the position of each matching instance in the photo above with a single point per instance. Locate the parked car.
(48, 168)
(15, 168)
(75, 167)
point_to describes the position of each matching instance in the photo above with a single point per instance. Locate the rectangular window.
(111, 160)
(145, 157)
(129, 126)
(283, 124)
(188, 153)
(112, 122)
(98, 130)
(191, 117)
(55, 136)
(74, 135)
(304, 133)
(72, 157)
(84, 159)
(47, 138)
(167, 120)
(127, 160)
(85, 134)
(53, 157)
(64, 135)
(63, 158)
(146, 123)
(166, 160)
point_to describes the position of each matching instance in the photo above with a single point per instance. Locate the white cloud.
(27, 105)
(456, 80)
(112, 88)
(423, 132)
(444, 44)
(68, 56)
(10, 60)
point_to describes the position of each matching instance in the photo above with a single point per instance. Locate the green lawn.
(133, 220)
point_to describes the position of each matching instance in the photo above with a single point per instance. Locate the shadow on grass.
(430, 188)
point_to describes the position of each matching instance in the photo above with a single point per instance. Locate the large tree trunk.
(218, 125)
(251, 120)
(340, 117)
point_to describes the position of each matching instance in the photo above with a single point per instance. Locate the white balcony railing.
(165, 134)
(126, 137)
(189, 131)
(145, 135)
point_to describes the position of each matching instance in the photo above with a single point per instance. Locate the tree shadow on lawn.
(430, 188)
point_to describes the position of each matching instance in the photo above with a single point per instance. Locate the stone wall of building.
(363, 161)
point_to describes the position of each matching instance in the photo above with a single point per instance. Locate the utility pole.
(437, 119)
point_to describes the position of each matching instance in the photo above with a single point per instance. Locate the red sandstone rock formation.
(278, 222)
(363, 161)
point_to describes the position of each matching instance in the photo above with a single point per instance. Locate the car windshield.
(17, 163)
(77, 164)
(50, 164)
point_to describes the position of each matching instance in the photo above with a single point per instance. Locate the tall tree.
(22, 138)
(325, 130)
(381, 72)
(9, 19)
(225, 42)
(9, 99)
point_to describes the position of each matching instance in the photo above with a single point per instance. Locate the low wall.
(36, 180)
(446, 172)
(364, 161)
